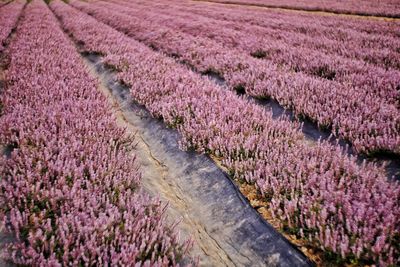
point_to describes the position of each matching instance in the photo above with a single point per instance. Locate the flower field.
(332, 104)
(70, 181)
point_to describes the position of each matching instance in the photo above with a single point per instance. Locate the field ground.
(272, 130)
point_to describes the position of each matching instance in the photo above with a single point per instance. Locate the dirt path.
(226, 230)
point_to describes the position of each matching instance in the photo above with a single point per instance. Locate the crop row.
(372, 79)
(315, 191)
(374, 42)
(385, 8)
(369, 124)
(70, 188)
(8, 18)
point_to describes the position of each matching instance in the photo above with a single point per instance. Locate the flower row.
(70, 188)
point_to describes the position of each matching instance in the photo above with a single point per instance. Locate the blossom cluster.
(357, 113)
(71, 187)
(314, 190)
(8, 18)
(385, 8)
